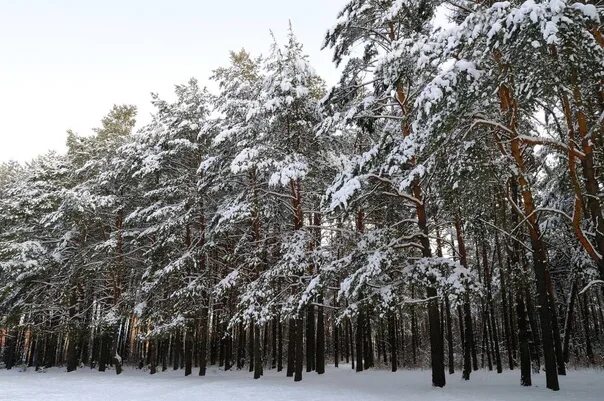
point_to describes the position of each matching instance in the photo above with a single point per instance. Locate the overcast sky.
(64, 63)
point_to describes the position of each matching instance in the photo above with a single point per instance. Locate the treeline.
(440, 206)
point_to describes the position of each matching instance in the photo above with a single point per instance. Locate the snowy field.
(335, 385)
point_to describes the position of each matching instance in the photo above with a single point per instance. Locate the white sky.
(64, 63)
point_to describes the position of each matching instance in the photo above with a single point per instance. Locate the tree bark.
(310, 338)
(392, 341)
(299, 349)
(509, 106)
(320, 361)
(359, 340)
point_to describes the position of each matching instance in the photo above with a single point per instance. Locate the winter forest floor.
(337, 384)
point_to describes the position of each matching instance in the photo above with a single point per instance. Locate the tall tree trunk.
(176, 345)
(392, 340)
(556, 334)
(203, 341)
(279, 344)
(349, 343)
(585, 320)
(568, 318)
(257, 352)
(188, 351)
(447, 310)
(310, 338)
(299, 349)
(436, 340)
(368, 345)
(103, 351)
(72, 355)
(504, 303)
(152, 356)
(164, 355)
(509, 108)
(468, 331)
(492, 322)
(523, 339)
(320, 362)
(336, 338)
(250, 347)
(359, 340)
(414, 333)
(534, 332)
(273, 325)
(291, 347)
(115, 356)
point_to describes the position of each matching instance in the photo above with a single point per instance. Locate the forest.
(440, 207)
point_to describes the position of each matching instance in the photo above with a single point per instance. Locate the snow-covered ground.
(336, 385)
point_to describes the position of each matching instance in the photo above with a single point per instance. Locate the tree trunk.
(523, 340)
(492, 322)
(320, 361)
(468, 332)
(336, 342)
(291, 347)
(257, 353)
(368, 345)
(274, 325)
(568, 320)
(279, 345)
(299, 349)
(203, 341)
(349, 343)
(436, 340)
(392, 341)
(413, 330)
(152, 357)
(585, 320)
(188, 351)
(310, 338)
(72, 354)
(504, 303)
(359, 340)
(556, 333)
(530, 215)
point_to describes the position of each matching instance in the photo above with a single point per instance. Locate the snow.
(589, 10)
(469, 67)
(335, 385)
(342, 195)
(140, 308)
(289, 170)
(591, 284)
(228, 282)
(244, 160)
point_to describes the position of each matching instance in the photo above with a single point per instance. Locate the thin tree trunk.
(392, 341)
(492, 322)
(359, 340)
(310, 338)
(152, 357)
(523, 340)
(585, 321)
(257, 352)
(336, 340)
(299, 349)
(510, 107)
(203, 340)
(188, 351)
(568, 320)
(291, 347)
(279, 345)
(504, 303)
(320, 361)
